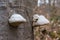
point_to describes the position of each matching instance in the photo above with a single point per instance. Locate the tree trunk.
(24, 30)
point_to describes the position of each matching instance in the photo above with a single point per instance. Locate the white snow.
(41, 20)
(39, 3)
(17, 18)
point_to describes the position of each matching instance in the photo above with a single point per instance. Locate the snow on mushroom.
(41, 19)
(16, 18)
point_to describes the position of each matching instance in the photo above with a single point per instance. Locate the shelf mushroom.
(40, 20)
(16, 19)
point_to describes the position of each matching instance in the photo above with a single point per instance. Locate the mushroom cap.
(17, 18)
(42, 20)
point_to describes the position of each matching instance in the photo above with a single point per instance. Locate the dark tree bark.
(23, 31)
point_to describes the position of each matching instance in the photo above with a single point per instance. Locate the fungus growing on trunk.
(16, 19)
(40, 20)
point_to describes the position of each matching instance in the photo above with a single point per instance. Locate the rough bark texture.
(24, 30)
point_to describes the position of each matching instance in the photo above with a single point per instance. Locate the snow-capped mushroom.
(16, 19)
(42, 20)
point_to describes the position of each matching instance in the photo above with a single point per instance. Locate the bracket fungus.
(16, 19)
(40, 20)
